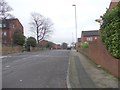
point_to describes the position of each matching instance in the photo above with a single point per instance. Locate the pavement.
(83, 73)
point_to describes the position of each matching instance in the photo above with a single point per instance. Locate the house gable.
(87, 36)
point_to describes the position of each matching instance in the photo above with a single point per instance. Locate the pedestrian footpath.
(83, 73)
(78, 78)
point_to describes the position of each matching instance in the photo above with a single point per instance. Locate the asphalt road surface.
(44, 69)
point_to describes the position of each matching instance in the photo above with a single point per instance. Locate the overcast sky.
(62, 14)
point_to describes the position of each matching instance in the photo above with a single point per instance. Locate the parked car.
(68, 48)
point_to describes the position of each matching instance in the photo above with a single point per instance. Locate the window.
(90, 39)
(4, 33)
(0, 25)
(4, 25)
(95, 38)
(13, 26)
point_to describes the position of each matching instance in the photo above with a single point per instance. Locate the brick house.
(56, 46)
(89, 36)
(44, 43)
(7, 29)
(113, 3)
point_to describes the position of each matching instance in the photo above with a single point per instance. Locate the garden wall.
(10, 50)
(98, 53)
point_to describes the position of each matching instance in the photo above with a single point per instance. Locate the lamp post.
(100, 21)
(75, 23)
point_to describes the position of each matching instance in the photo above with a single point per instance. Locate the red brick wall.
(98, 53)
(10, 50)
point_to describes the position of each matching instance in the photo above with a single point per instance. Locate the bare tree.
(41, 26)
(4, 10)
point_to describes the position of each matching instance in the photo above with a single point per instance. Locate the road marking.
(2, 57)
(37, 55)
(7, 66)
(21, 80)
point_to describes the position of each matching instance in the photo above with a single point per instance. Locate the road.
(44, 69)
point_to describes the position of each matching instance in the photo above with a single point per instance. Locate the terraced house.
(7, 29)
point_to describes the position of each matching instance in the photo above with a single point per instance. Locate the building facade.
(7, 29)
(89, 36)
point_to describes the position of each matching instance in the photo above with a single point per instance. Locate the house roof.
(8, 21)
(90, 33)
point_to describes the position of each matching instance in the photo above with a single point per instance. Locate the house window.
(95, 38)
(4, 25)
(4, 33)
(90, 39)
(13, 26)
(0, 25)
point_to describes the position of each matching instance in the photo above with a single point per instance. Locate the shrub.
(84, 45)
(31, 41)
(18, 38)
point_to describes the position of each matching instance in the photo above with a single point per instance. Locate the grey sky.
(62, 13)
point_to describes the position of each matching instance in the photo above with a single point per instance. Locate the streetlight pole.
(75, 23)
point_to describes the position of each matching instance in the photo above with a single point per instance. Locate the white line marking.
(7, 66)
(2, 57)
(21, 80)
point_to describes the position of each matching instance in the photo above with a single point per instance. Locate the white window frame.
(5, 33)
(89, 38)
(0, 25)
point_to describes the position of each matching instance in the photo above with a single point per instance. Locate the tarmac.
(83, 73)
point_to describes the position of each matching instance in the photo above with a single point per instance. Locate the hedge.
(110, 31)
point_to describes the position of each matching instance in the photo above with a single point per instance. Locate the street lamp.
(100, 21)
(75, 23)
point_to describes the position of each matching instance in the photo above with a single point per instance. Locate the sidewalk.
(83, 73)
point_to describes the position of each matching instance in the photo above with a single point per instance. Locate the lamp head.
(73, 5)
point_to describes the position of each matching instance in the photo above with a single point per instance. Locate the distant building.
(56, 46)
(89, 36)
(113, 3)
(64, 45)
(79, 39)
(49, 44)
(7, 29)
(43, 43)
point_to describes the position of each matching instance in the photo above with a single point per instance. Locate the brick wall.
(9, 49)
(98, 53)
